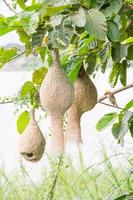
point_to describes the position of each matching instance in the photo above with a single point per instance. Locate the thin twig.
(10, 8)
(6, 102)
(18, 55)
(14, 99)
(116, 91)
(106, 104)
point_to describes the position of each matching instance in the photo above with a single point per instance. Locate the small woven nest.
(32, 142)
(85, 100)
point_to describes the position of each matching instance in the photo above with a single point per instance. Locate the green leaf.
(4, 28)
(43, 51)
(62, 2)
(96, 24)
(24, 37)
(120, 129)
(91, 62)
(114, 74)
(23, 121)
(128, 41)
(38, 36)
(34, 7)
(124, 126)
(83, 50)
(72, 75)
(28, 89)
(122, 197)
(29, 93)
(56, 20)
(6, 54)
(38, 75)
(21, 3)
(83, 35)
(118, 52)
(130, 53)
(130, 124)
(85, 3)
(64, 60)
(30, 22)
(113, 31)
(103, 55)
(3, 19)
(49, 60)
(9, 24)
(60, 37)
(49, 11)
(116, 130)
(123, 72)
(114, 7)
(106, 121)
(129, 105)
(79, 19)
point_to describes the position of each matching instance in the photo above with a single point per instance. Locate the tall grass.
(100, 181)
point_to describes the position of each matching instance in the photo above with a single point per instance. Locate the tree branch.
(116, 91)
(15, 99)
(6, 102)
(18, 55)
(10, 8)
(9, 99)
(106, 104)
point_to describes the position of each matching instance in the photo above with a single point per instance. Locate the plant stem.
(99, 100)
(18, 55)
(106, 104)
(6, 102)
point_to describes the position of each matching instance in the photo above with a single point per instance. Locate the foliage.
(22, 121)
(105, 121)
(120, 128)
(88, 33)
(6, 55)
